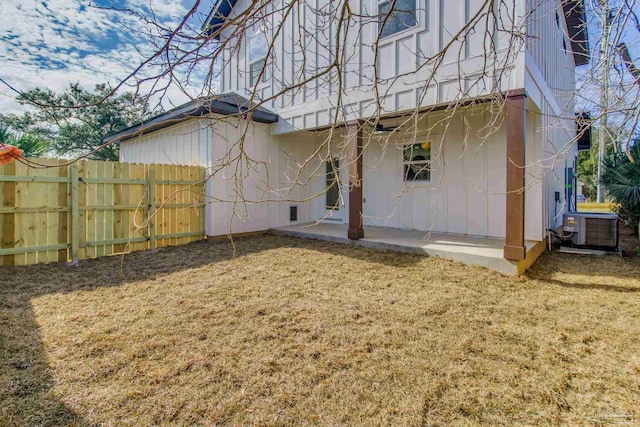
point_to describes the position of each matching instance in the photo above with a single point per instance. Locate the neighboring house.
(445, 179)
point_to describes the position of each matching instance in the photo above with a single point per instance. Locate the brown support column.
(514, 248)
(356, 143)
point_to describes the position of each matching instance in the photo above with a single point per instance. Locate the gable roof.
(575, 16)
(226, 104)
(219, 12)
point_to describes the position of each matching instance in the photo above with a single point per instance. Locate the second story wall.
(549, 57)
(383, 75)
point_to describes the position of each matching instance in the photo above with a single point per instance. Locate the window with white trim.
(257, 58)
(561, 33)
(403, 16)
(417, 162)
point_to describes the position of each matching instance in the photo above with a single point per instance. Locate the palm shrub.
(32, 145)
(621, 180)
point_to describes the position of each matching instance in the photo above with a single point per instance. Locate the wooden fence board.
(92, 208)
(139, 193)
(152, 202)
(183, 197)
(50, 219)
(164, 214)
(100, 215)
(21, 237)
(171, 198)
(118, 224)
(177, 176)
(194, 221)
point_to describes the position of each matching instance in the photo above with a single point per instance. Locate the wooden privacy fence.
(94, 208)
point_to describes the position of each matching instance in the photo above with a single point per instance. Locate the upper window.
(417, 162)
(257, 58)
(402, 17)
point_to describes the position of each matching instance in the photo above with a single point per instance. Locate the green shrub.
(621, 180)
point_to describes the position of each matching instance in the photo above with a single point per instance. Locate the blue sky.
(51, 43)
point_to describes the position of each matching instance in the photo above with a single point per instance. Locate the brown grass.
(304, 332)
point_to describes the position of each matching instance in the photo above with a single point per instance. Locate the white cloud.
(53, 43)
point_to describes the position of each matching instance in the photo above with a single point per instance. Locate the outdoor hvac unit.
(595, 230)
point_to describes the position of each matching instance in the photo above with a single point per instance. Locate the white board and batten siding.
(186, 143)
(265, 197)
(400, 55)
(467, 190)
(550, 83)
(466, 194)
(204, 142)
(549, 61)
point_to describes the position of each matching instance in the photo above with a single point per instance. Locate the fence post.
(75, 213)
(152, 208)
(8, 219)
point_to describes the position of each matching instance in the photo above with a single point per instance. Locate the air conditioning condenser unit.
(591, 230)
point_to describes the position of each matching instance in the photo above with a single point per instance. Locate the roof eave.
(575, 17)
(216, 18)
(189, 111)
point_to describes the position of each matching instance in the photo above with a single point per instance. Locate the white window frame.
(560, 28)
(265, 75)
(418, 12)
(419, 162)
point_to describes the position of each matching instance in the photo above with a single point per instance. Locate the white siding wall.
(208, 142)
(550, 84)
(296, 187)
(186, 143)
(534, 178)
(265, 197)
(467, 192)
(400, 58)
(559, 152)
(549, 58)
(237, 188)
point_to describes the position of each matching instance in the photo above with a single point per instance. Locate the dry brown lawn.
(299, 332)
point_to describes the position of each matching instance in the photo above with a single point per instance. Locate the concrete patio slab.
(471, 250)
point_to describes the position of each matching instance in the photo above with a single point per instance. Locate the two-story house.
(446, 127)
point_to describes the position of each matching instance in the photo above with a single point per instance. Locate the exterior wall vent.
(293, 213)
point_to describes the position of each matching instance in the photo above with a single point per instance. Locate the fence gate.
(94, 208)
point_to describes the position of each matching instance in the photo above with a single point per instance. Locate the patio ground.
(293, 331)
(470, 250)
